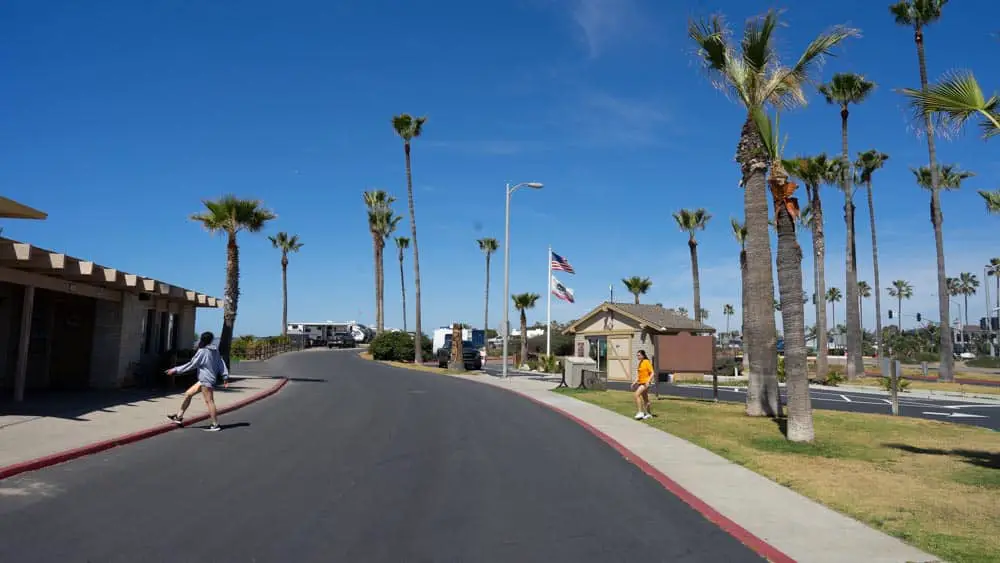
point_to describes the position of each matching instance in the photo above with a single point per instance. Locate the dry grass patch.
(933, 484)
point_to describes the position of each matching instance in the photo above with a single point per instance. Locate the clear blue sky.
(118, 117)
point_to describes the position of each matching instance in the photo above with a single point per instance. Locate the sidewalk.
(794, 525)
(57, 428)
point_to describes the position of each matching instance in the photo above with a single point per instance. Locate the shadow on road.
(989, 460)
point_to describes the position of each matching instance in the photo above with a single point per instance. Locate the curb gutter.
(97, 447)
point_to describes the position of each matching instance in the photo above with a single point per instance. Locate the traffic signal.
(918, 317)
(890, 313)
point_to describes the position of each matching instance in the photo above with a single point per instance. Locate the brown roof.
(656, 316)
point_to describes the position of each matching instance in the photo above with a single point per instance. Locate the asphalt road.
(356, 461)
(963, 412)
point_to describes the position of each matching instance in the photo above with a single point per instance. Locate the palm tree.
(704, 314)
(488, 246)
(690, 222)
(523, 302)
(843, 90)
(409, 128)
(402, 243)
(968, 283)
(381, 223)
(918, 14)
(813, 172)
(833, 296)
(229, 215)
(901, 289)
(949, 176)
(864, 292)
(991, 199)
(752, 72)
(740, 234)
(956, 99)
(867, 163)
(637, 286)
(728, 312)
(285, 244)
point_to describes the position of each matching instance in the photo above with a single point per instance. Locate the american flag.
(561, 291)
(561, 264)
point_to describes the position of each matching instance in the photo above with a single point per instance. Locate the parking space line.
(846, 398)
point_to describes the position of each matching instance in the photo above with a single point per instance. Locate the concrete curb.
(97, 447)
(744, 536)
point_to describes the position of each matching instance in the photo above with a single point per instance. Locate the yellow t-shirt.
(645, 371)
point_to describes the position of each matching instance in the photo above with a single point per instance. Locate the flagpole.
(548, 308)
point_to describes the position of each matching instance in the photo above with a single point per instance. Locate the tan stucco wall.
(641, 339)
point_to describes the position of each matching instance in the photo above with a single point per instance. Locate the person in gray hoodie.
(210, 366)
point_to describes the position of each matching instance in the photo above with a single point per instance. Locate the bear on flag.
(561, 291)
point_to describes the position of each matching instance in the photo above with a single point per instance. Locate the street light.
(506, 267)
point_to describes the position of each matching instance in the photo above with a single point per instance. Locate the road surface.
(356, 461)
(977, 414)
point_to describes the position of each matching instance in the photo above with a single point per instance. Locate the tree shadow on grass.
(979, 458)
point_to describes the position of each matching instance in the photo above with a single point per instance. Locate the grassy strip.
(930, 386)
(933, 484)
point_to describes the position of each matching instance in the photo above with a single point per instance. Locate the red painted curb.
(744, 536)
(53, 459)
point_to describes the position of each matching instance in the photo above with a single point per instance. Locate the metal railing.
(268, 350)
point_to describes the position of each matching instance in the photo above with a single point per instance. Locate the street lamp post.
(506, 268)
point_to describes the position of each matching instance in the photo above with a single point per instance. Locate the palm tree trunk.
(284, 295)
(402, 286)
(636, 295)
(375, 262)
(819, 275)
(524, 337)
(946, 366)
(878, 287)
(693, 248)
(232, 293)
(762, 391)
(418, 348)
(486, 310)
(899, 311)
(789, 262)
(855, 362)
(380, 290)
(745, 368)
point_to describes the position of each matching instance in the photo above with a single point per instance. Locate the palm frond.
(992, 200)
(953, 101)
(785, 87)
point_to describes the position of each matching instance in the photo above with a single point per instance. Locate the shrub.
(724, 365)
(781, 369)
(397, 346)
(834, 378)
(901, 385)
(984, 362)
(532, 364)
(549, 364)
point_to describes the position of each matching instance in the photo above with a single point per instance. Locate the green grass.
(932, 484)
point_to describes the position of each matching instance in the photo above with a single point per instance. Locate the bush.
(901, 385)
(724, 365)
(781, 369)
(397, 346)
(834, 378)
(984, 362)
(549, 364)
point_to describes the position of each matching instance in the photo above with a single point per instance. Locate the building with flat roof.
(67, 323)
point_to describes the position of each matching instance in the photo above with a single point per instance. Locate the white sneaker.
(646, 415)
(639, 416)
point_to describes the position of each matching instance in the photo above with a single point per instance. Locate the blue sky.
(119, 117)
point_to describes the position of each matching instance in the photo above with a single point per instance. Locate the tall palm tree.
(728, 312)
(752, 72)
(833, 296)
(523, 302)
(740, 234)
(402, 243)
(409, 128)
(488, 246)
(285, 244)
(864, 292)
(843, 90)
(229, 215)
(703, 313)
(949, 176)
(793, 298)
(901, 289)
(813, 172)
(690, 222)
(956, 99)
(968, 284)
(866, 165)
(381, 223)
(918, 14)
(637, 286)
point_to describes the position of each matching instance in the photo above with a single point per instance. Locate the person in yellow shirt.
(641, 386)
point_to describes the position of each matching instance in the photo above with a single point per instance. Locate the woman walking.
(641, 386)
(210, 366)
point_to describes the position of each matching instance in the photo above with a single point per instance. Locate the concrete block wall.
(186, 333)
(105, 357)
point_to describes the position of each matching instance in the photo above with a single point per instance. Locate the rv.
(321, 333)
